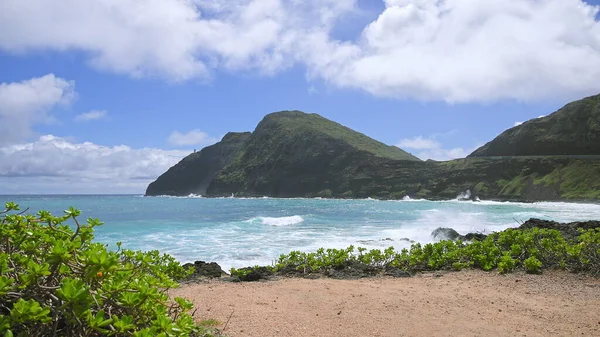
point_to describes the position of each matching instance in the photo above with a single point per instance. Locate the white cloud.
(173, 39)
(459, 50)
(419, 143)
(91, 115)
(194, 137)
(430, 148)
(55, 165)
(23, 104)
(442, 154)
(450, 50)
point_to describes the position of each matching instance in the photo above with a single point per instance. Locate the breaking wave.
(278, 222)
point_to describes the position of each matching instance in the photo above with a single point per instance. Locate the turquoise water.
(242, 232)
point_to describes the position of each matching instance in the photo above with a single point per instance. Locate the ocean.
(237, 232)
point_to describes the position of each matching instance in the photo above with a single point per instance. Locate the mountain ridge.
(574, 129)
(294, 154)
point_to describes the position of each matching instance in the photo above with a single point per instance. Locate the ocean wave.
(189, 196)
(278, 222)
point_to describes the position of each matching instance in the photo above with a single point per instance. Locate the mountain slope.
(194, 173)
(572, 130)
(293, 154)
(299, 122)
(296, 154)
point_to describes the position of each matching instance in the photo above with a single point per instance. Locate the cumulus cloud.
(23, 104)
(459, 50)
(174, 39)
(55, 165)
(430, 148)
(194, 137)
(91, 115)
(447, 50)
(419, 143)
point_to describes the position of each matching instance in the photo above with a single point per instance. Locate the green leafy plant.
(55, 281)
(531, 250)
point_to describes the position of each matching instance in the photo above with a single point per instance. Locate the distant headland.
(295, 154)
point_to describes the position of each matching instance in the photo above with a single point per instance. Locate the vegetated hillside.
(306, 125)
(296, 154)
(194, 173)
(293, 154)
(572, 130)
(518, 179)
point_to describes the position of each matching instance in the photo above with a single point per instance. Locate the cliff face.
(194, 173)
(572, 130)
(293, 154)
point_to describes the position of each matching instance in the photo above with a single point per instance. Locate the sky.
(102, 96)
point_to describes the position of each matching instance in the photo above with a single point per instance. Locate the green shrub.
(531, 250)
(533, 265)
(54, 281)
(506, 264)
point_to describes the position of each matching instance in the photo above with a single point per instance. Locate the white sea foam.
(278, 222)
(214, 230)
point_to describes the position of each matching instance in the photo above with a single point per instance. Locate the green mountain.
(194, 173)
(293, 154)
(300, 125)
(572, 130)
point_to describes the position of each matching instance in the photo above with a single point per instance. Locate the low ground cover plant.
(531, 250)
(55, 281)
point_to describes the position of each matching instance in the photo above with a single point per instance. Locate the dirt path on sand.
(470, 303)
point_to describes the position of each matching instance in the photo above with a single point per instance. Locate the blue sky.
(102, 96)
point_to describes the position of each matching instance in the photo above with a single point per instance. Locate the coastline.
(375, 198)
(465, 303)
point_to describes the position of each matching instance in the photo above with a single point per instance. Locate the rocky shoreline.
(356, 270)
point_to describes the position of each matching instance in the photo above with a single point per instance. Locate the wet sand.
(468, 303)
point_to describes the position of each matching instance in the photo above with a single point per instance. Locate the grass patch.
(514, 187)
(210, 323)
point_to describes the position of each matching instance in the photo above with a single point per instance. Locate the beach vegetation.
(56, 281)
(530, 250)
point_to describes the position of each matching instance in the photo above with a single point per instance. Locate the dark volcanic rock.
(569, 230)
(445, 234)
(451, 234)
(396, 272)
(572, 130)
(474, 237)
(204, 269)
(352, 270)
(255, 274)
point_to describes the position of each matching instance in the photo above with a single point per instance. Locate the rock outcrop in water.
(444, 233)
(293, 154)
(569, 230)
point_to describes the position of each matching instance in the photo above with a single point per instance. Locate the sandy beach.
(468, 303)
